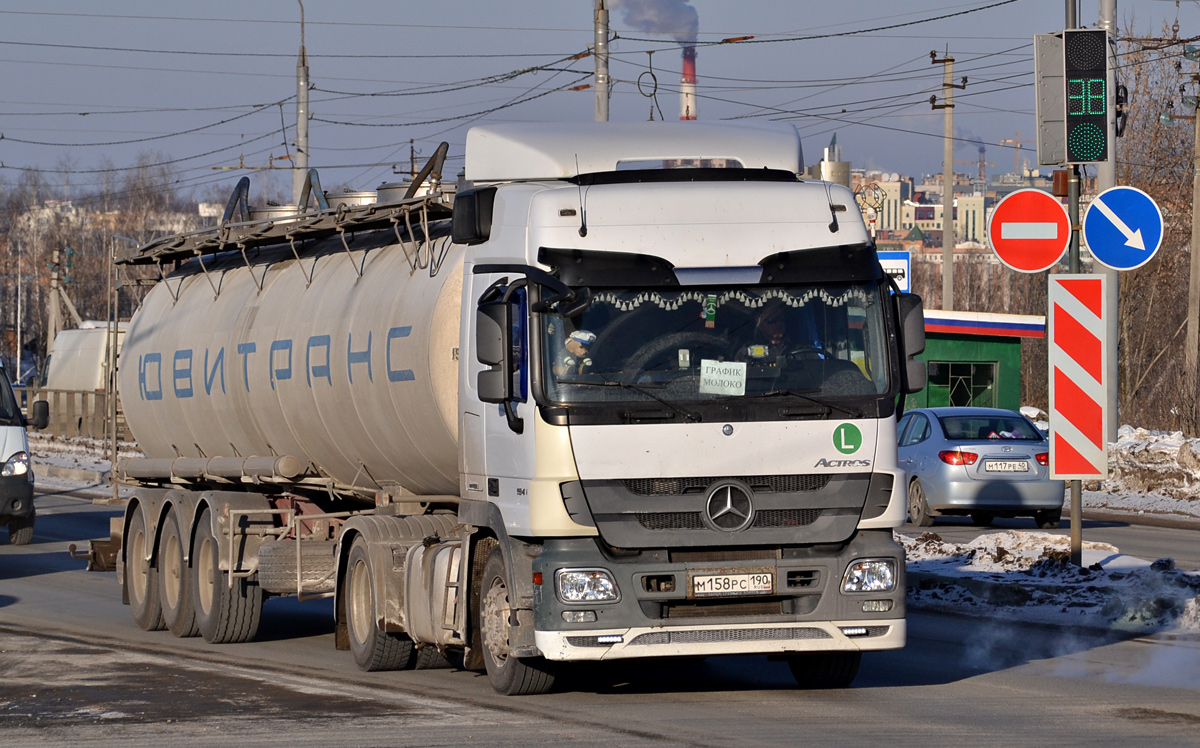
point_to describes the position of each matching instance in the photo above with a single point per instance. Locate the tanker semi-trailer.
(632, 394)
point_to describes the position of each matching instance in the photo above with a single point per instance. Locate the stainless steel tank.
(344, 359)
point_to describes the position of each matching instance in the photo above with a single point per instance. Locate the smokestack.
(687, 85)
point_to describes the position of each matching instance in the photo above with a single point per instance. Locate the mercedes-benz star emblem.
(729, 507)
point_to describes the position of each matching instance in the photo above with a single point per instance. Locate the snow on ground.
(1151, 472)
(79, 452)
(1028, 576)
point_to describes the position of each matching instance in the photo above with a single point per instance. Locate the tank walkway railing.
(74, 412)
(311, 224)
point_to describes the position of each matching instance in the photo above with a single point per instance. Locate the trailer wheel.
(825, 669)
(174, 591)
(20, 530)
(141, 579)
(223, 615)
(509, 675)
(373, 648)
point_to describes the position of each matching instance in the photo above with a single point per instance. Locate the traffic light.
(1048, 92)
(1085, 75)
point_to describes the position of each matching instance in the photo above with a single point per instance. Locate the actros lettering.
(842, 463)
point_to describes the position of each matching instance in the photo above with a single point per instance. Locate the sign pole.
(1073, 264)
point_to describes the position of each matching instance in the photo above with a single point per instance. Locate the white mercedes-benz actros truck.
(623, 391)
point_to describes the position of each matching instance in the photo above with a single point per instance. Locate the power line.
(146, 139)
(452, 119)
(836, 34)
(284, 55)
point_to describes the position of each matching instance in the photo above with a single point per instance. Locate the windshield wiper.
(640, 389)
(814, 400)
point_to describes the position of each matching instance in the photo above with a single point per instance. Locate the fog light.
(877, 606)
(871, 575)
(579, 616)
(610, 639)
(854, 630)
(586, 586)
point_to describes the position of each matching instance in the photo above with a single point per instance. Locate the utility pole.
(601, 53)
(300, 165)
(54, 312)
(947, 106)
(1193, 307)
(1106, 176)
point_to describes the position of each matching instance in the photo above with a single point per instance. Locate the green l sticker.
(847, 438)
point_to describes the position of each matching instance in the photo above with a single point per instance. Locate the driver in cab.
(772, 335)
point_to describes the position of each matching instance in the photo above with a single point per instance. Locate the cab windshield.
(8, 403)
(700, 344)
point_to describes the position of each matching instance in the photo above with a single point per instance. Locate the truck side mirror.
(41, 414)
(912, 327)
(493, 330)
(472, 221)
(494, 349)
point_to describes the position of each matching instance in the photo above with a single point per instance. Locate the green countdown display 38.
(1085, 57)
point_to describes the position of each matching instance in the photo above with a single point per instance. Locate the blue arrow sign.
(1123, 228)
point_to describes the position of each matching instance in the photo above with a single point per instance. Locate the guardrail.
(74, 412)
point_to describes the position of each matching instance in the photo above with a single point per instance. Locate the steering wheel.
(810, 351)
(655, 348)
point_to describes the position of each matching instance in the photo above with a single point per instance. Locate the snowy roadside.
(1027, 576)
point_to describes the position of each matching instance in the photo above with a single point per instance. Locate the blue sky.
(204, 85)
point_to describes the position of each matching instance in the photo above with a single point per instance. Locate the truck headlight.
(586, 586)
(870, 575)
(18, 464)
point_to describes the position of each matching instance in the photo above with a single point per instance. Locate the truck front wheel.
(141, 578)
(825, 669)
(509, 674)
(373, 648)
(224, 614)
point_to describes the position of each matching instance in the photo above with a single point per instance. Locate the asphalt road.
(75, 669)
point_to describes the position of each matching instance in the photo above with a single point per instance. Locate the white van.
(78, 359)
(16, 476)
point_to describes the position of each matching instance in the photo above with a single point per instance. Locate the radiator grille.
(723, 609)
(758, 483)
(766, 518)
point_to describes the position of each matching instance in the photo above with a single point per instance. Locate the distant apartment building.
(970, 218)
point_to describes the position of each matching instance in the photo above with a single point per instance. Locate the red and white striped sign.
(1078, 367)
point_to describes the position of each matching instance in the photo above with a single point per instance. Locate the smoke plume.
(674, 17)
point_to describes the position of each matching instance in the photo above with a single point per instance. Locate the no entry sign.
(1029, 231)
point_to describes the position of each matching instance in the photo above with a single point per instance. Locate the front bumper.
(657, 617)
(700, 640)
(16, 496)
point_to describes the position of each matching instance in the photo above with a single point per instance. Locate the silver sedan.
(981, 462)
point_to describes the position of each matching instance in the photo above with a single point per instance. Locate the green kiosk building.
(974, 358)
